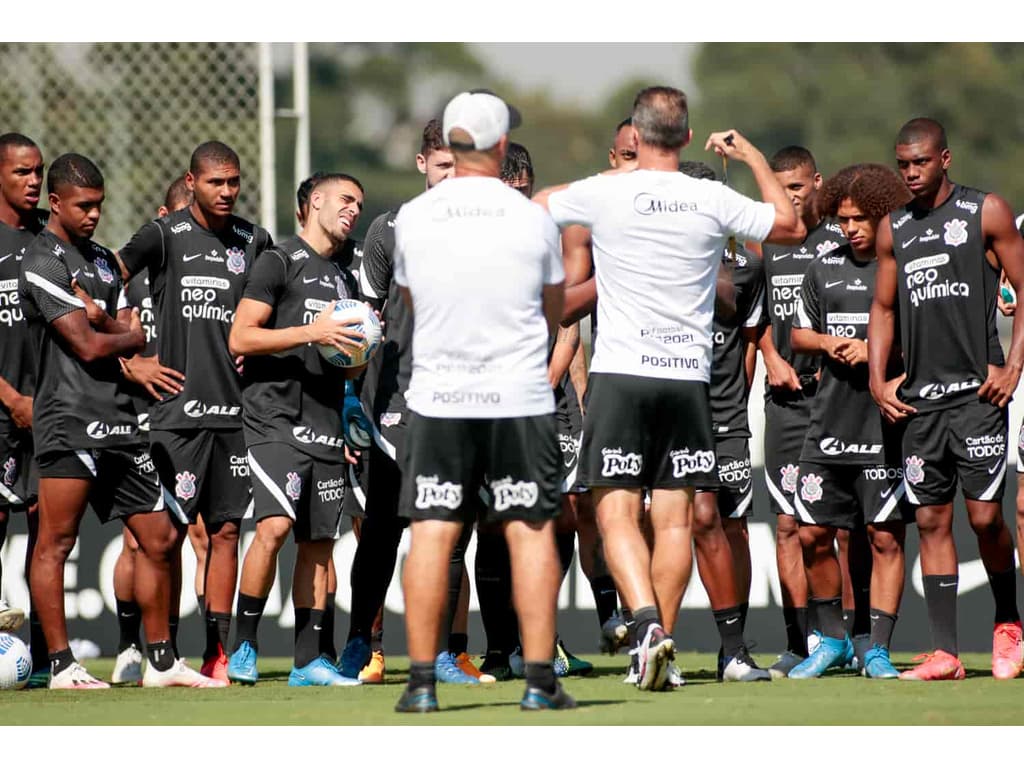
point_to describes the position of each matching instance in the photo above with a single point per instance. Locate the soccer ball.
(349, 309)
(15, 662)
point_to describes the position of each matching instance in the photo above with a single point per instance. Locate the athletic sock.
(372, 568)
(861, 623)
(494, 591)
(376, 642)
(645, 617)
(605, 597)
(37, 644)
(1004, 590)
(60, 661)
(630, 622)
(129, 619)
(161, 655)
(327, 646)
(218, 628)
(421, 674)
(830, 614)
(940, 596)
(882, 626)
(796, 629)
(744, 609)
(248, 613)
(172, 626)
(458, 642)
(308, 626)
(566, 544)
(730, 628)
(540, 674)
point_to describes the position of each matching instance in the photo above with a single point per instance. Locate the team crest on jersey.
(294, 487)
(390, 419)
(184, 485)
(914, 471)
(956, 232)
(236, 261)
(106, 275)
(339, 285)
(810, 489)
(789, 474)
(825, 247)
(10, 471)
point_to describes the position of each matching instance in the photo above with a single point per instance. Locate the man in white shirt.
(480, 267)
(658, 238)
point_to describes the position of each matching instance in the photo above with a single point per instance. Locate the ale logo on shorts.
(789, 474)
(106, 274)
(914, 472)
(10, 471)
(686, 463)
(956, 232)
(508, 493)
(430, 492)
(184, 485)
(236, 261)
(618, 463)
(293, 489)
(810, 488)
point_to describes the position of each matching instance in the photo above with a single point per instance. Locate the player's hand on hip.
(889, 403)
(1000, 385)
(148, 373)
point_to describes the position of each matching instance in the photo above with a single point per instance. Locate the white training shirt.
(475, 255)
(657, 241)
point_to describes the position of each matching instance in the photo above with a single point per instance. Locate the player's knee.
(224, 537)
(885, 544)
(272, 532)
(986, 521)
(786, 528)
(814, 540)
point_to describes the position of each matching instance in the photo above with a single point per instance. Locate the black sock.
(377, 641)
(327, 633)
(494, 591)
(372, 568)
(645, 617)
(730, 627)
(421, 674)
(541, 674)
(172, 626)
(218, 628)
(882, 625)
(37, 644)
(1004, 590)
(458, 642)
(308, 626)
(129, 619)
(861, 624)
(60, 661)
(940, 596)
(455, 567)
(605, 597)
(630, 621)
(830, 614)
(566, 544)
(796, 629)
(248, 613)
(744, 609)
(161, 655)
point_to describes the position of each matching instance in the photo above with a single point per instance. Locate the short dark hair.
(213, 152)
(661, 117)
(622, 124)
(792, 157)
(305, 190)
(433, 138)
(73, 170)
(177, 193)
(329, 178)
(698, 170)
(517, 162)
(15, 141)
(922, 129)
(874, 188)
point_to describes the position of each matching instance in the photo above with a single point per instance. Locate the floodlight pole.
(268, 188)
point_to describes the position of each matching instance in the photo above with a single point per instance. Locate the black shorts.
(967, 443)
(205, 470)
(376, 482)
(19, 473)
(515, 459)
(642, 432)
(290, 483)
(125, 481)
(785, 427)
(735, 487)
(570, 438)
(844, 496)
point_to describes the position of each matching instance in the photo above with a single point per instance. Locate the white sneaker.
(675, 677)
(180, 674)
(633, 670)
(75, 677)
(11, 619)
(743, 669)
(128, 666)
(657, 652)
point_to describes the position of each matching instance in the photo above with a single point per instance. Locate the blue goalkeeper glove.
(358, 431)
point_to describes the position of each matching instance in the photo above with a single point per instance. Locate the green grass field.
(840, 698)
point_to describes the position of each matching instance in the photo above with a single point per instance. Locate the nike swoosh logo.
(731, 621)
(191, 258)
(948, 584)
(972, 576)
(875, 617)
(250, 613)
(993, 470)
(5, 258)
(782, 256)
(886, 492)
(75, 273)
(308, 280)
(834, 284)
(317, 627)
(745, 488)
(911, 240)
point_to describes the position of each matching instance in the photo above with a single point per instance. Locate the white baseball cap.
(481, 114)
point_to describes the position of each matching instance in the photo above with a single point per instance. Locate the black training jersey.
(784, 267)
(139, 295)
(387, 375)
(17, 357)
(78, 405)
(196, 277)
(728, 369)
(294, 397)
(947, 300)
(846, 426)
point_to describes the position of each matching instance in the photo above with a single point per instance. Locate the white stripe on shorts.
(896, 492)
(9, 496)
(87, 459)
(173, 505)
(989, 493)
(780, 499)
(744, 505)
(801, 511)
(269, 484)
(353, 482)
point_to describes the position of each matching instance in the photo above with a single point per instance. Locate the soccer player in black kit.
(292, 416)
(197, 260)
(850, 464)
(87, 438)
(939, 260)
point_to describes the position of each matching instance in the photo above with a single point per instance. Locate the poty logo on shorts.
(686, 463)
(789, 474)
(183, 226)
(810, 488)
(98, 430)
(618, 463)
(430, 492)
(914, 470)
(236, 261)
(185, 485)
(10, 471)
(293, 489)
(508, 493)
(956, 232)
(106, 275)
